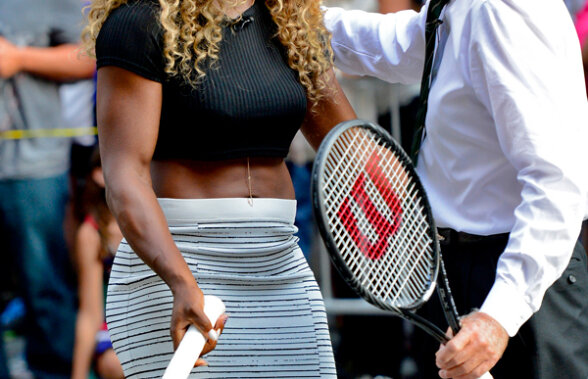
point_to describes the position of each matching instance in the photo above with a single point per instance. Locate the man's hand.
(474, 350)
(9, 59)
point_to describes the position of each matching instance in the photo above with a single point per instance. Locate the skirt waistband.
(190, 211)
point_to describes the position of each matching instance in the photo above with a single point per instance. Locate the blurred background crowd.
(57, 235)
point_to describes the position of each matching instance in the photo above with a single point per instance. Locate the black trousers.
(552, 344)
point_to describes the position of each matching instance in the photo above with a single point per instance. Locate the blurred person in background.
(78, 109)
(574, 7)
(96, 241)
(38, 51)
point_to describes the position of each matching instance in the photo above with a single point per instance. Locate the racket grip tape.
(193, 342)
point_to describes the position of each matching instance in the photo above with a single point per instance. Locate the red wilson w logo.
(383, 227)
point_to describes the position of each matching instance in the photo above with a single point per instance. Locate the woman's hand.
(188, 309)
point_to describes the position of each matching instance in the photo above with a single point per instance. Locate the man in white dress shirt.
(503, 161)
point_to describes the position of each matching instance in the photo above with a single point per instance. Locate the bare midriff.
(242, 177)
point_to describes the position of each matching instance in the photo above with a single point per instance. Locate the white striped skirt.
(249, 257)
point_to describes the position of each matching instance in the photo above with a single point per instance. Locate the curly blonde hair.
(193, 32)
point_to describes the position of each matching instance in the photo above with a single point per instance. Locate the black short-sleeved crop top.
(250, 102)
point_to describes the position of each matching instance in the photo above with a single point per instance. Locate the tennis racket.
(193, 342)
(376, 222)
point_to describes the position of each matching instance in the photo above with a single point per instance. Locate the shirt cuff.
(507, 306)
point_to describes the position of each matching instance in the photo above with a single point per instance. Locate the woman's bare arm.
(128, 111)
(332, 110)
(90, 293)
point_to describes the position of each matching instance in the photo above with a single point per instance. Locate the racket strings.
(408, 263)
(416, 262)
(347, 163)
(404, 275)
(381, 210)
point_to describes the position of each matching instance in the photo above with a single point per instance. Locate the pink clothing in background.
(582, 24)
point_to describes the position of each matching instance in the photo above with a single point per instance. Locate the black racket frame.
(440, 283)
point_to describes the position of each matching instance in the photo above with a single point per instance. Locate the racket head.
(374, 217)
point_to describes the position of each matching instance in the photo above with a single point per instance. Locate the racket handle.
(486, 376)
(193, 342)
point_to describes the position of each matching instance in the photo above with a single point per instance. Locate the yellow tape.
(48, 133)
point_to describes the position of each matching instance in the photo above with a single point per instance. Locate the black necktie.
(433, 22)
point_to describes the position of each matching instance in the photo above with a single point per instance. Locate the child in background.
(96, 241)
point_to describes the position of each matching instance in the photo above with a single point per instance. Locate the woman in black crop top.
(197, 104)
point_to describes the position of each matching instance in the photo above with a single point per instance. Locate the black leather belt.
(447, 236)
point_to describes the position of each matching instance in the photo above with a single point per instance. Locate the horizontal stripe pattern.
(277, 326)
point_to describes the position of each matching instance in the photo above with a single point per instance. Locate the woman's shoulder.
(135, 15)
(132, 38)
(141, 8)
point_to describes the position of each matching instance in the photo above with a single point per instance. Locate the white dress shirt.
(506, 128)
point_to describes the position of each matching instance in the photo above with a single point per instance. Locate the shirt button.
(571, 279)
